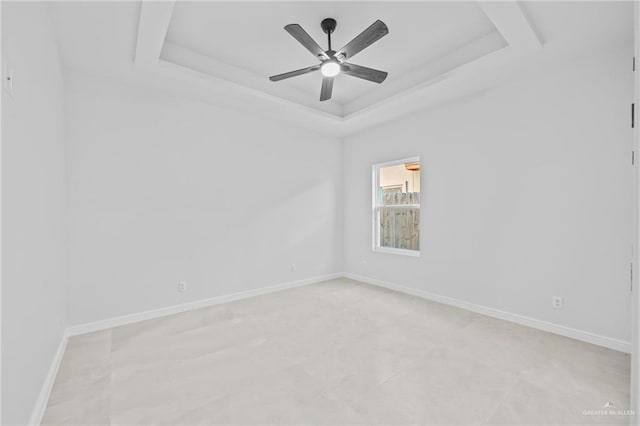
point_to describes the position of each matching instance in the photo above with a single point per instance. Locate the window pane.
(398, 206)
(400, 228)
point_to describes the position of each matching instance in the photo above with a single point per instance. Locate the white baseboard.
(45, 391)
(573, 333)
(197, 304)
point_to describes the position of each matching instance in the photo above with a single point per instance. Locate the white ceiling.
(223, 52)
(582, 25)
(250, 36)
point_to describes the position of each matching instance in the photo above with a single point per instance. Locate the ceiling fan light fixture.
(330, 69)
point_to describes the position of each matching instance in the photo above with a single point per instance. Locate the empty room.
(319, 212)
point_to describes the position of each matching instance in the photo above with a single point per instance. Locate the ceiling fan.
(332, 62)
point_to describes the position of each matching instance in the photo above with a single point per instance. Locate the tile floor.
(338, 352)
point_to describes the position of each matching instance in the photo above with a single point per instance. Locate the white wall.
(525, 195)
(635, 329)
(152, 201)
(33, 271)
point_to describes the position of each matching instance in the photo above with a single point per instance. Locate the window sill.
(402, 252)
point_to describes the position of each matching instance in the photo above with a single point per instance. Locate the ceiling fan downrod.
(328, 26)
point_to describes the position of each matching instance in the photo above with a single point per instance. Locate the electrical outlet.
(182, 286)
(293, 267)
(556, 302)
(7, 79)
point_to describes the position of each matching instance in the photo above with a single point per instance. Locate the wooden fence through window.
(400, 221)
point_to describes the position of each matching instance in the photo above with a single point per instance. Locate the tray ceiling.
(249, 37)
(222, 52)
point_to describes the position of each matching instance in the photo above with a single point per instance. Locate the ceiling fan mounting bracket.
(328, 25)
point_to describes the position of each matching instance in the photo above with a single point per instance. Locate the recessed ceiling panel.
(250, 37)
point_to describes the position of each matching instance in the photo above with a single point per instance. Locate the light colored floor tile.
(531, 403)
(289, 396)
(338, 352)
(82, 391)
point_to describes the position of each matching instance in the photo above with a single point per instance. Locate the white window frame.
(375, 170)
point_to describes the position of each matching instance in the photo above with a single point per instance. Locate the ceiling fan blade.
(365, 73)
(373, 33)
(327, 88)
(294, 73)
(305, 39)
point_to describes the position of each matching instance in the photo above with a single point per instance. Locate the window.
(396, 207)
